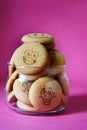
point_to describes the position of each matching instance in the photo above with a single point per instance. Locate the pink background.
(66, 20)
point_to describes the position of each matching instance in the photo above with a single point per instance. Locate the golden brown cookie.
(49, 46)
(21, 90)
(45, 94)
(56, 57)
(9, 84)
(30, 58)
(33, 77)
(24, 106)
(11, 69)
(57, 62)
(63, 80)
(43, 38)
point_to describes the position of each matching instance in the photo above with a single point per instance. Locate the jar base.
(14, 107)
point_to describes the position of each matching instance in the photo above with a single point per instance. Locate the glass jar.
(45, 92)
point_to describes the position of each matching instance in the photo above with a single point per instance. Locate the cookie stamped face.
(26, 86)
(47, 96)
(30, 57)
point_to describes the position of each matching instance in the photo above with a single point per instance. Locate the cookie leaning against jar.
(43, 38)
(57, 62)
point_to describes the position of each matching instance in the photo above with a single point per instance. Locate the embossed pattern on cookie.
(47, 96)
(30, 57)
(25, 86)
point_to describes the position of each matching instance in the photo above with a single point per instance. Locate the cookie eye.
(34, 55)
(27, 53)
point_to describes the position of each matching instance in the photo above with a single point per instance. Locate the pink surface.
(67, 21)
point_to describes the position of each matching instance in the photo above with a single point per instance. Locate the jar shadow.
(77, 104)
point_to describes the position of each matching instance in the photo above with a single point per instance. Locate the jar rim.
(30, 66)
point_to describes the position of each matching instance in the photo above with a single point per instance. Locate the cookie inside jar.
(37, 78)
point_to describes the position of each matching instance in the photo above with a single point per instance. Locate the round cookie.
(11, 69)
(9, 84)
(57, 62)
(64, 84)
(33, 77)
(24, 106)
(21, 90)
(30, 58)
(49, 46)
(43, 38)
(45, 94)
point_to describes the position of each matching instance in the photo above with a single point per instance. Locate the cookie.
(9, 84)
(45, 94)
(24, 106)
(30, 58)
(33, 77)
(43, 38)
(11, 69)
(64, 84)
(57, 62)
(21, 90)
(49, 46)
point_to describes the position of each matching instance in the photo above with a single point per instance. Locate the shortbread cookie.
(43, 38)
(64, 84)
(38, 37)
(49, 46)
(9, 84)
(11, 69)
(30, 58)
(56, 57)
(45, 93)
(57, 62)
(24, 106)
(33, 77)
(21, 90)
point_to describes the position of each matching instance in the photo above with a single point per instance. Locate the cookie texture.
(33, 77)
(56, 57)
(24, 106)
(10, 81)
(45, 94)
(21, 90)
(30, 58)
(42, 38)
(57, 62)
(64, 84)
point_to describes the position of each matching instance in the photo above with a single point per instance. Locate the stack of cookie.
(37, 77)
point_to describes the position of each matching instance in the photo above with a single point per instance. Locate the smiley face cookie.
(45, 94)
(30, 58)
(43, 38)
